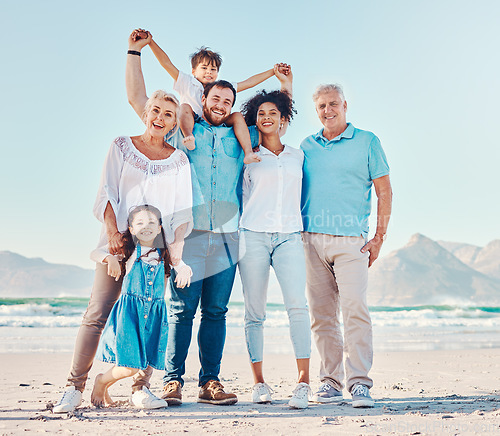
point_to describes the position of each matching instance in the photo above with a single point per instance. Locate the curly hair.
(129, 241)
(281, 99)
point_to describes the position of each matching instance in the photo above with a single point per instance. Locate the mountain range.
(427, 272)
(423, 272)
(34, 277)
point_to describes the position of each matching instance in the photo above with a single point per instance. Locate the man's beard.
(209, 117)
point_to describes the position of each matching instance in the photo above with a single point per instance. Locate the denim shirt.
(216, 172)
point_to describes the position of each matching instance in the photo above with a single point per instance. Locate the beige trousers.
(105, 292)
(337, 278)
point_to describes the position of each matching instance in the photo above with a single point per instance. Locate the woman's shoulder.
(122, 142)
(179, 156)
(296, 152)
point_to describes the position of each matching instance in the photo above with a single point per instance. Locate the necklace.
(164, 144)
(276, 152)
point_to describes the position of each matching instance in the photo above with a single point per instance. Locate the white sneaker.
(261, 393)
(70, 400)
(144, 399)
(300, 396)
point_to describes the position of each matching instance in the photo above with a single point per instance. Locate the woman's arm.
(286, 81)
(115, 238)
(176, 247)
(182, 217)
(134, 79)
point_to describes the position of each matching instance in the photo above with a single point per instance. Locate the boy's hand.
(138, 39)
(285, 79)
(283, 72)
(114, 269)
(283, 68)
(183, 278)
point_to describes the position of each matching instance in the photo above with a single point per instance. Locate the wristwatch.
(384, 236)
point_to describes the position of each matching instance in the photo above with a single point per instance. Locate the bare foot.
(108, 401)
(251, 158)
(99, 392)
(188, 141)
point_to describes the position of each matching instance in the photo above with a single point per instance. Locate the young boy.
(205, 69)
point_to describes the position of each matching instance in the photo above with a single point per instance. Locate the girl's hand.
(114, 269)
(138, 39)
(183, 278)
(115, 243)
(175, 249)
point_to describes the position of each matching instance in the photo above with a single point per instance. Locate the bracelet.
(133, 52)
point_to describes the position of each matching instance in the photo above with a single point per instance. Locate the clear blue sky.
(423, 76)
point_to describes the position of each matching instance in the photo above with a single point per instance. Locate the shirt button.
(152, 269)
(214, 166)
(145, 316)
(149, 299)
(214, 183)
(150, 282)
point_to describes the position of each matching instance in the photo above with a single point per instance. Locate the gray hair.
(322, 89)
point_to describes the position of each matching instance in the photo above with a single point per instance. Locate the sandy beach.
(431, 392)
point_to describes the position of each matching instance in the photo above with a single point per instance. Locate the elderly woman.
(270, 236)
(142, 169)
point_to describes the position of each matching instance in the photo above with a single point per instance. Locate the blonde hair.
(160, 94)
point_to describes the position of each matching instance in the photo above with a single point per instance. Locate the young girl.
(135, 335)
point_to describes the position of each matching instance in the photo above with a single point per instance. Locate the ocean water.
(51, 325)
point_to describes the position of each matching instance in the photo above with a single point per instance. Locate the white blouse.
(130, 179)
(271, 192)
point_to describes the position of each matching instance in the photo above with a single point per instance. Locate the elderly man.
(341, 163)
(211, 250)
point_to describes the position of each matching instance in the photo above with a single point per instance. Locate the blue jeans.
(213, 258)
(285, 253)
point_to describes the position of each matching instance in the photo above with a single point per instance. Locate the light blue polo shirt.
(337, 182)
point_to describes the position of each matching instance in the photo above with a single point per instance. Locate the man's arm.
(384, 206)
(134, 79)
(164, 60)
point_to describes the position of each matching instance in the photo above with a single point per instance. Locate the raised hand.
(283, 73)
(138, 39)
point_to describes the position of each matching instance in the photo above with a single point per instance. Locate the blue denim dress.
(135, 335)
